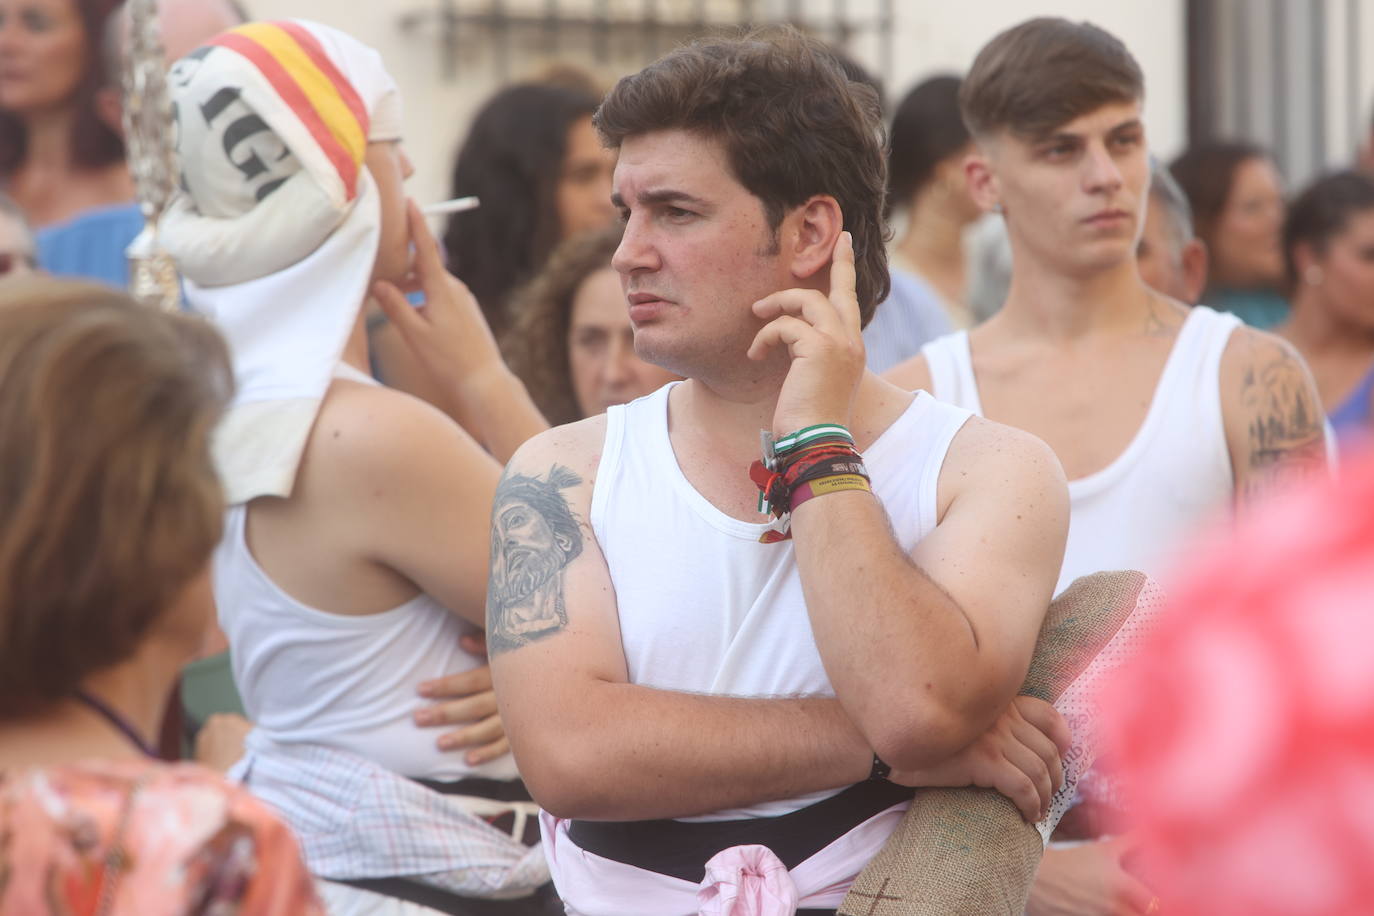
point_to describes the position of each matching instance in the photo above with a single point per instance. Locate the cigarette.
(457, 205)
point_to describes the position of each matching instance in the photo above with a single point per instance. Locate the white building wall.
(931, 37)
(945, 36)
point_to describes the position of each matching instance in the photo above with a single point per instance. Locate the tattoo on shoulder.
(1160, 321)
(1287, 438)
(534, 536)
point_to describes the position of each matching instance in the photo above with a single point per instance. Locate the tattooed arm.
(589, 743)
(1275, 426)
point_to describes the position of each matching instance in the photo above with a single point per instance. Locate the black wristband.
(880, 770)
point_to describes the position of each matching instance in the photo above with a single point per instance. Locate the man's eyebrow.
(1059, 136)
(659, 196)
(1056, 136)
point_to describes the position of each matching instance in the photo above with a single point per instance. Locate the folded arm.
(589, 743)
(592, 745)
(925, 650)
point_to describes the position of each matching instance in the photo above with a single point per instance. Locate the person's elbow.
(924, 726)
(566, 771)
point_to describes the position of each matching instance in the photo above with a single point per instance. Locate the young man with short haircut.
(683, 682)
(1160, 415)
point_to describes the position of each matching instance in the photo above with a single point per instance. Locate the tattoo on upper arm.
(534, 536)
(1285, 432)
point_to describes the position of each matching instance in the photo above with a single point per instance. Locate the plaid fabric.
(356, 819)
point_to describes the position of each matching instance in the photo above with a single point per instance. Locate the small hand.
(468, 700)
(1019, 756)
(448, 336)
(822, 335)
(1089, 880)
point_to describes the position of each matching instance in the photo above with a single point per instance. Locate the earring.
(1313, 276)
(997, 207)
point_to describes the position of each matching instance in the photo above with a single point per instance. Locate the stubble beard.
(527, 570)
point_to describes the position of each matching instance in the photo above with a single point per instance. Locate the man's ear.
(810, 234)
(982, 183)
(1304, 258)
(1195, 263)
(109, 108)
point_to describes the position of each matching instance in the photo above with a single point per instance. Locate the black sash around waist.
(543, 902)
(682, 848)
(497, 790)
(504, 790)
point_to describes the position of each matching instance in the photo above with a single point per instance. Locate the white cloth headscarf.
(277, 224)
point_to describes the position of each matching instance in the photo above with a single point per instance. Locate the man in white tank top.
(1162, 416)
(670, 658)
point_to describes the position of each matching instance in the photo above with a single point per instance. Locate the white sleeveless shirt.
(308, 676)
(704, 606)
(1137, 512)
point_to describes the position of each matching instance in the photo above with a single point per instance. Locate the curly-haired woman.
(571, 340)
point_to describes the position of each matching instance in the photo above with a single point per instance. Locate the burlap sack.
(968, 852)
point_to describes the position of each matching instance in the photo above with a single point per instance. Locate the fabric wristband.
(827, 466)
(777, 450)
(823, 485)
(776, 488)
(784, 444)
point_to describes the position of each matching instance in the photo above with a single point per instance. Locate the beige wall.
(932, 36)
(946, 35)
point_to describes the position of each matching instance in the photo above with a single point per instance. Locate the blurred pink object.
(1245, 731)
(143, 839)
(747, 881)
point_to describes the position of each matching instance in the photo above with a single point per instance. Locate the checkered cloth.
(355, 819)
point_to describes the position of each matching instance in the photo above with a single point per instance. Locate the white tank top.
(704, 607)
(1137, 512)
(343, 681)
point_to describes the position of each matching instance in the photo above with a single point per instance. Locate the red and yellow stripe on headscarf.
(294, 63)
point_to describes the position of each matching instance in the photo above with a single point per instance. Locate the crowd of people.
(279, 634)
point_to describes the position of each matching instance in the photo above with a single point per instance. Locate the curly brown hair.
(110, 502)
(536, 344)
(792, 124)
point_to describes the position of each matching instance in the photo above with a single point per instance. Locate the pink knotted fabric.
(747, 881)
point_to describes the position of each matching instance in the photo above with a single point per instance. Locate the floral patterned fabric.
(143, 839)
